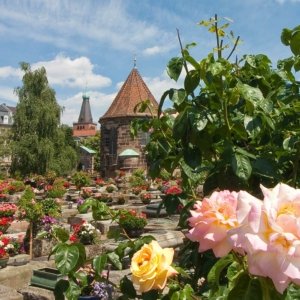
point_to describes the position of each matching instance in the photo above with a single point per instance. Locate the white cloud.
(6, 72)
(78, 72)
(99, 103)
(7, 94)
(65, 72)
(65, 23)
(158, 49)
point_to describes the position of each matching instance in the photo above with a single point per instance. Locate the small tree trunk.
(30, 240)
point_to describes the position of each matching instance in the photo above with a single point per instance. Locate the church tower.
(119, 151)
(85, 126)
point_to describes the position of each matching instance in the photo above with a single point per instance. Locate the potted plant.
(132, 223)
(146, 198)
(7, 211)
(84, 278)
(84, 233)
(81, 179)
(4, 256)
(100, 210)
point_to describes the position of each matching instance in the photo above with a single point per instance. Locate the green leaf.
(191, 81)
(177, 96)
(174, 67)
(115, 260)
(295, 42)
(213, 277)
(250, 93)
(290, 142)
(151, 295)
(216, 68)
(184, 294)
(192, 156)
(253, 125)
(66, 258)
(286, 35)
(246, 289)
(293, 292)
(127, 288)
(62, 234)
(60, 288)
(99, 263)
(241, 166)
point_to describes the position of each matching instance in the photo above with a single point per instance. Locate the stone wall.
(115, 138)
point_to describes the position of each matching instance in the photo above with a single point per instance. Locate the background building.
(85, 126)
(119, 151)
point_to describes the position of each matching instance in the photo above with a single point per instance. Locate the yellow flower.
(151, 267)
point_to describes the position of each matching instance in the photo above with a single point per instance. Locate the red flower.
(2, 252)
(174, 190)
(73, 238)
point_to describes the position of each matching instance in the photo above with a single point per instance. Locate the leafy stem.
(217, 37)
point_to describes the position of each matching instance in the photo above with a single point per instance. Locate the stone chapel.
(119, 151)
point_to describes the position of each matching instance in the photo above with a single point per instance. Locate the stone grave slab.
(151, 210)
(9, 293)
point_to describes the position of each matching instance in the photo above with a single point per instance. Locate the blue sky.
(90, 44)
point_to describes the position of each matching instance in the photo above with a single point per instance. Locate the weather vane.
(134, 60)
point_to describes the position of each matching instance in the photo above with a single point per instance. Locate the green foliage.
(51, 207)
(81, 179)
(236, 122)
(137, 178)
(28, 208)
(38, 143)
(131, 221)
(100, 210)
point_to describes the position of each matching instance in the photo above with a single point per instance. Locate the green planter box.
(45, 278)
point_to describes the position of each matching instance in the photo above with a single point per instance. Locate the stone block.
(42, 247)
(18, 227)
(106, 225)
(9, 293)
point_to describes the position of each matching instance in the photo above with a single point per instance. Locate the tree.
(38, 140)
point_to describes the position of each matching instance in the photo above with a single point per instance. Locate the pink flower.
(211, 220)
(270, 236)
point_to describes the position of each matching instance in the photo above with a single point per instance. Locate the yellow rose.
(151, 266)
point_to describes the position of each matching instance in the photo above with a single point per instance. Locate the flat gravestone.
(151, 210)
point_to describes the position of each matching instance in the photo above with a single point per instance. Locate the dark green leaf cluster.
(237, 123)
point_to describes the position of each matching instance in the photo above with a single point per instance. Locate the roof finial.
(134, 60)
(84, 93)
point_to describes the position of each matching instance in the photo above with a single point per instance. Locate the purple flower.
(80, 201)
(103, 290)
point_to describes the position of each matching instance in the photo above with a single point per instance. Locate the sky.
(89, 46)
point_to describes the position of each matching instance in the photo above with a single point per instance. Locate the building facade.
(6, 122)
(85, 126)
(119, 151)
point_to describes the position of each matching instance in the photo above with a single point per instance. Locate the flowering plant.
(4, 242)
(131, 220)
(257, 241)
(84, 233)
(99, 181)
(9, 246)
(7, 209)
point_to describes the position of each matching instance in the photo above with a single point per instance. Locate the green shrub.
(81, 179)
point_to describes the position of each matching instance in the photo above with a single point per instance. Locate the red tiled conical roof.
(133, 91)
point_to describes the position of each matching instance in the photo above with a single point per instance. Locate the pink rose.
(270, 235)
(211, 219)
